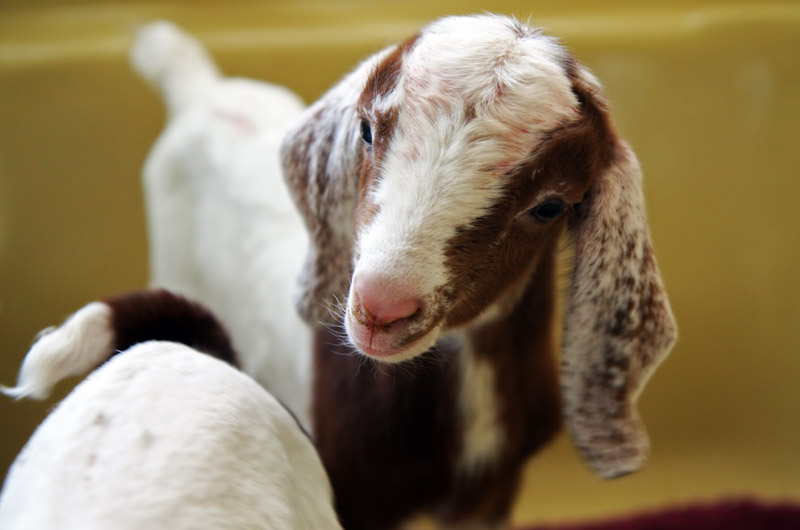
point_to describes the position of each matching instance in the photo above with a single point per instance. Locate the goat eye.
(548, 210)
(366, 132)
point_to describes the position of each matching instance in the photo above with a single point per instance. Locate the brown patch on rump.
(157, 314)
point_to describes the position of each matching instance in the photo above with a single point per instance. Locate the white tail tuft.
(173, 62)
(78, 346)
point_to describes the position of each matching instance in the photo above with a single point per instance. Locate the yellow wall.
(706, 92)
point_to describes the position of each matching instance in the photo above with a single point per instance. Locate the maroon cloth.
(724, 515)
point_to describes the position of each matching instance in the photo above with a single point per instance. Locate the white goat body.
(222, 229)
(163, 437)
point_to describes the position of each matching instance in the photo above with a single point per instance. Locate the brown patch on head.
(381, 83)
(489, 256)
(502, 246)
(382, 130)
(385, 76)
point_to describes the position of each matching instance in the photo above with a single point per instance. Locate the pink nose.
(381, 301)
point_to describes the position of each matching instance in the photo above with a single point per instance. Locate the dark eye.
(366, 132)
(548, 210)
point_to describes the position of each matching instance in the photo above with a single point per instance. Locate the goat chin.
(379, 343)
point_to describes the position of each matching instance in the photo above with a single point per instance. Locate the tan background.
(706, 92)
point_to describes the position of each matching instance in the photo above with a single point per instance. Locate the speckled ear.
(619, 325)
(321, 156)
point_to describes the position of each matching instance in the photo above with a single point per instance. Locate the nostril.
(380, 304)
(386, 314)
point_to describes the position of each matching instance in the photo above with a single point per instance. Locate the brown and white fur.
(435, 181)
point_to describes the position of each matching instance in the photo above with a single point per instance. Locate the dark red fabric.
(726, 515)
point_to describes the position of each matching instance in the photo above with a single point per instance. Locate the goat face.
(433, 177)
(452, 206)
(452, 203)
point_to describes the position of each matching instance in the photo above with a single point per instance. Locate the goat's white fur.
(483, 433)
(222, 229)
(75, 348)
(164, 437)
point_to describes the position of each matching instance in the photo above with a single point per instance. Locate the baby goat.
(162, 437)
(435, 181)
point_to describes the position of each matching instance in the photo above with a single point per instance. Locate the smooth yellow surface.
(706, 92)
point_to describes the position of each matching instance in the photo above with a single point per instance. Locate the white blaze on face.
(474, 98)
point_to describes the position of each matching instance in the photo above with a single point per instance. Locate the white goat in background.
(222, 228)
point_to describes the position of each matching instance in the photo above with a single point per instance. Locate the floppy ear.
(321, 157)
(619, 325)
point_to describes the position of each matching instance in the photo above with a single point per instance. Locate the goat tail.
(102, 329)
(173, 62)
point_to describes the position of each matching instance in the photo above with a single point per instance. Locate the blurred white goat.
(222, 228)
